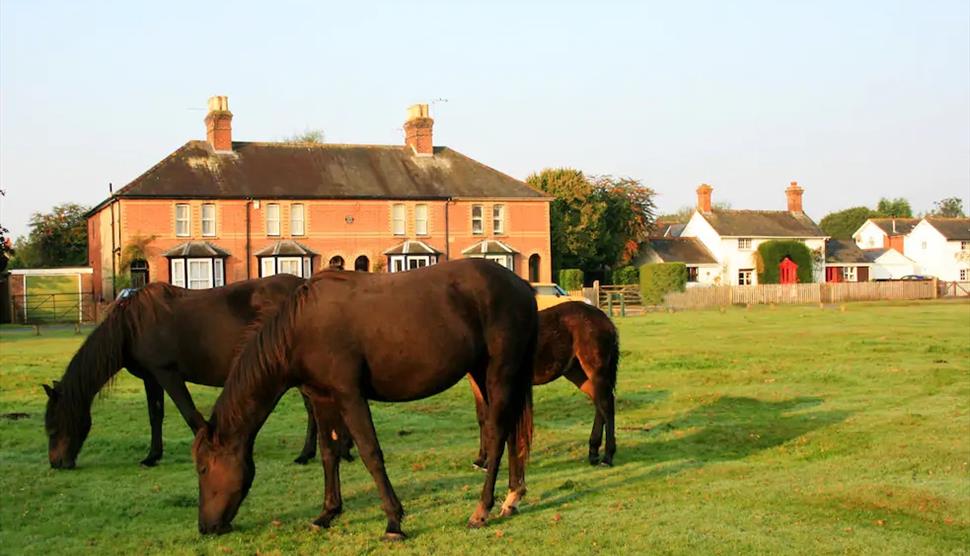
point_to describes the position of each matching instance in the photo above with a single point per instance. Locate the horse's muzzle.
(62, 464)
(217, 529)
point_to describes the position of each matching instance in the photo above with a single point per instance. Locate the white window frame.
(398, 263)
(504, 260)
(218, 273)
(401, 263)
(418, 261)
(211, 220)
(267, 266)
(745, 276)
(696, 271)
(498, 219)
(183, 223)
(399, 219)
(421, 220)
(849, 274)
(307, 267)
(744, 244)
(206, 280)
(964, 245)
(964, 274)
(273, 222)
(177, 270)
(479, 220)
(282, 262)
(297, 225)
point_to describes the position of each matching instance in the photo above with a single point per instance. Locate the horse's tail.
(614, 358)
(523, 427)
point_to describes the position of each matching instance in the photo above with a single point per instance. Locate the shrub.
(657, 279)
(626, 275)
(571, 279)
(771, 253)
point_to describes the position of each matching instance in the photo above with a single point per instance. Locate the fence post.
(936, 287)
(596, 292)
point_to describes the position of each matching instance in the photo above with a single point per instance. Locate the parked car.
(548, 295)
(916, 277)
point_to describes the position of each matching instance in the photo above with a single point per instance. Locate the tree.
(683, 214)
(894, 208)
(951, 207)
(842, 224)
(58, 238)
(6, 246)
(595, 222)
(308, 136)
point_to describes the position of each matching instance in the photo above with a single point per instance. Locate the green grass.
(786, 430)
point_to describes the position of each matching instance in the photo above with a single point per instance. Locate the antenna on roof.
(437, 100)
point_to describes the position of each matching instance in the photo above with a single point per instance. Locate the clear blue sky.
(855, 100)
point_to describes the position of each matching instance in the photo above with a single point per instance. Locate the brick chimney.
(417, 130)
(794, 194)
(218, 124)
(704, 198)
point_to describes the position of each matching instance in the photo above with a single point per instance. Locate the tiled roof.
(285, 248)
(844, 251)
(196, 249)
(952, 228)
(412, 247)
(488, 246)
(681, 250)
(895, 226)
(762, 223)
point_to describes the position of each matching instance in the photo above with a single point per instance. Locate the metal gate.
(48, 308)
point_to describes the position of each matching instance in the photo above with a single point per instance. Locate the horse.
(166, 336)
(347, 338)
(580, 342)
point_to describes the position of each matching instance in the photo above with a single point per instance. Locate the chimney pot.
(704, 198)
(218, 124)
(417, 130)
(794, 196)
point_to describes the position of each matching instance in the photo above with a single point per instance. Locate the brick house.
(219, 211)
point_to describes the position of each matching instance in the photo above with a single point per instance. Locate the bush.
(571, 279)
(771, 253)
(626, 275)
(657, 279)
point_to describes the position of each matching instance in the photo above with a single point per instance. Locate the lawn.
(767, 430)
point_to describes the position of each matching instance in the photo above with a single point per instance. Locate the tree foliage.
(308, 136)
(894, 208)
(842, 224)
(683, 214)
(571, 279)
(6, 245)
(951, 207)
(596, 222)
(771, 253)
(57, 238)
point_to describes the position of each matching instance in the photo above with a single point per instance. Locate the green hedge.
(626, 275)
(657, 279)
(571, 279)
(772, 253)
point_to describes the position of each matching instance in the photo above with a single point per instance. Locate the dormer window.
(744, 243)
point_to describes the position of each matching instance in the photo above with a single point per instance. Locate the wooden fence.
(717, 296)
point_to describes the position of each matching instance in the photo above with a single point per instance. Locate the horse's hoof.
(348, 457)
(149, 462)
(479, 465)
(301, 460)
(392, 536)
(476, 523)
(508, 511)
(606, 463)
(594, 460)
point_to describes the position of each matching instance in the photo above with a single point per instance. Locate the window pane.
(178, 272)
(421, 220)
(398, 216)
(272, 220)
(296, 220)
(290, 265)
(182, 221)
(477, 217)
(219, 276)
(200, 274)
(498, 219)
(267, 266)
(208, 220)
(307, 270)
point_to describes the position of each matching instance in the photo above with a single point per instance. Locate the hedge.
(658, 279)
(626, 275)
(571, 279)
(772, 253)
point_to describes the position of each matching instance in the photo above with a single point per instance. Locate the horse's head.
(66, 429)
(226, 472)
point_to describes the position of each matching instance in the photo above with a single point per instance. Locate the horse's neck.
(243, 408)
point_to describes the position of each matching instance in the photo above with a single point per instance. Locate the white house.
(941, 247)
(883, 233)
(889, 264)
(732, 236)
(702, 267)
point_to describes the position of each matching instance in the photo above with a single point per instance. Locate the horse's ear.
(51, 392)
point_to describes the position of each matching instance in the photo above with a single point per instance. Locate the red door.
(788, 271)
(833, 274)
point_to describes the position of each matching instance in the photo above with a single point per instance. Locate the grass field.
(786, 430)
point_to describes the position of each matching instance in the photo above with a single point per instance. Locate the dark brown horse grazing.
(349, 337)
(577, 341)
(166, 336)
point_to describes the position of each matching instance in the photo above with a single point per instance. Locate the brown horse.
(580, 342)
(166, 336)
(349, 337)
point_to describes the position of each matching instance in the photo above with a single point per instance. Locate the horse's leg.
(156, 413)
(605, 404)
(309, 444)
(174, 385)
(480, 412)
(327, 419)
(577, 376)
(496, 433)
(357, 417)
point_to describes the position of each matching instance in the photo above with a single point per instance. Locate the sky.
(854, 100)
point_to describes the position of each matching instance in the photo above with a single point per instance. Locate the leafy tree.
(6, 246)
(683, 214)
(58, 238)
(308, 136)
(895, 208)
(595, 222)
(842, 224)
(951, 207)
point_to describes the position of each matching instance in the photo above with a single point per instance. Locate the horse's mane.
(102, 354)
(262, 353)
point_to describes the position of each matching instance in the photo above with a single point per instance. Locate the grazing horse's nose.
(219, 529)
(61, 463)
